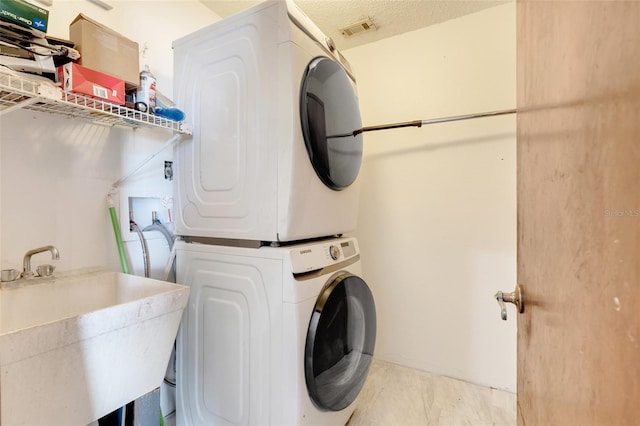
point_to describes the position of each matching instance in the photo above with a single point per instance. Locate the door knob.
(516, 297)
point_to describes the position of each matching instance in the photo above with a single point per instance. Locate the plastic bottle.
(147, 92)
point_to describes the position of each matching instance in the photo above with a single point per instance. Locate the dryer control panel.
(312, 257)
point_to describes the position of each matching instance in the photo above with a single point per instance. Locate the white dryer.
(273, 156)
(273, 335)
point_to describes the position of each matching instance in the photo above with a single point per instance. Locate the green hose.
(116, 231)
(123, 261)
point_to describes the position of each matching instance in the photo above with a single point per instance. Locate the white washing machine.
(273, 335)
(274, 107)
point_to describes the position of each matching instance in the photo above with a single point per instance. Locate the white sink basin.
(77, 347)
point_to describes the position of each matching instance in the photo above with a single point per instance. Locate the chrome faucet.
(26, 262)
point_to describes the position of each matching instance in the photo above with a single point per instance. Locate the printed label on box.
(101, 92)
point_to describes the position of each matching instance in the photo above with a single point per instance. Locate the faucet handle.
(8, 275)
(45, 270)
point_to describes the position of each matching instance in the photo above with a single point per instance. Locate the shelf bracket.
(167, 144)
(19, 105)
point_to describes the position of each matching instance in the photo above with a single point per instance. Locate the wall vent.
(358, 27)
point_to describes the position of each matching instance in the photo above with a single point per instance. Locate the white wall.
(55, 172)
(437, 224)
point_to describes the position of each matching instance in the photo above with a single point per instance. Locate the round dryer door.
(330, 115)
(340, 342)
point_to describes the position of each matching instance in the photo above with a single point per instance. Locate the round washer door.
(329, 114)
(340, 342)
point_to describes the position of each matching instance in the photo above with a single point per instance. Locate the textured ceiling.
(391, 17)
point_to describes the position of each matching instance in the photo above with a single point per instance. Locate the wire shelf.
(20, 91)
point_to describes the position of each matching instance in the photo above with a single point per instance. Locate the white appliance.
(274, 107)
(273, 335)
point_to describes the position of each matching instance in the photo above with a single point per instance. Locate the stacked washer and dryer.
(280, 327)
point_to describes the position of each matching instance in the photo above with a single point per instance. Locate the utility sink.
(78, 346)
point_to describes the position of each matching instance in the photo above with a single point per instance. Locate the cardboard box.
(104, 50)
(78, 79)
(25, 14)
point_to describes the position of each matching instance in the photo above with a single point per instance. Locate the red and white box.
(78, 79)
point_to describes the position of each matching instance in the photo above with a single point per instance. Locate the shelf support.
(166, 145)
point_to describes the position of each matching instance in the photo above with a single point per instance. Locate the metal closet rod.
(420, 123)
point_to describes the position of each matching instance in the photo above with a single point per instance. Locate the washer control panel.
(311, 257)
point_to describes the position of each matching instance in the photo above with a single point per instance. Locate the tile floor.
(396, 395)
(400, 396)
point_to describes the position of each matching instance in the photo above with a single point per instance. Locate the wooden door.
(579, 212)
